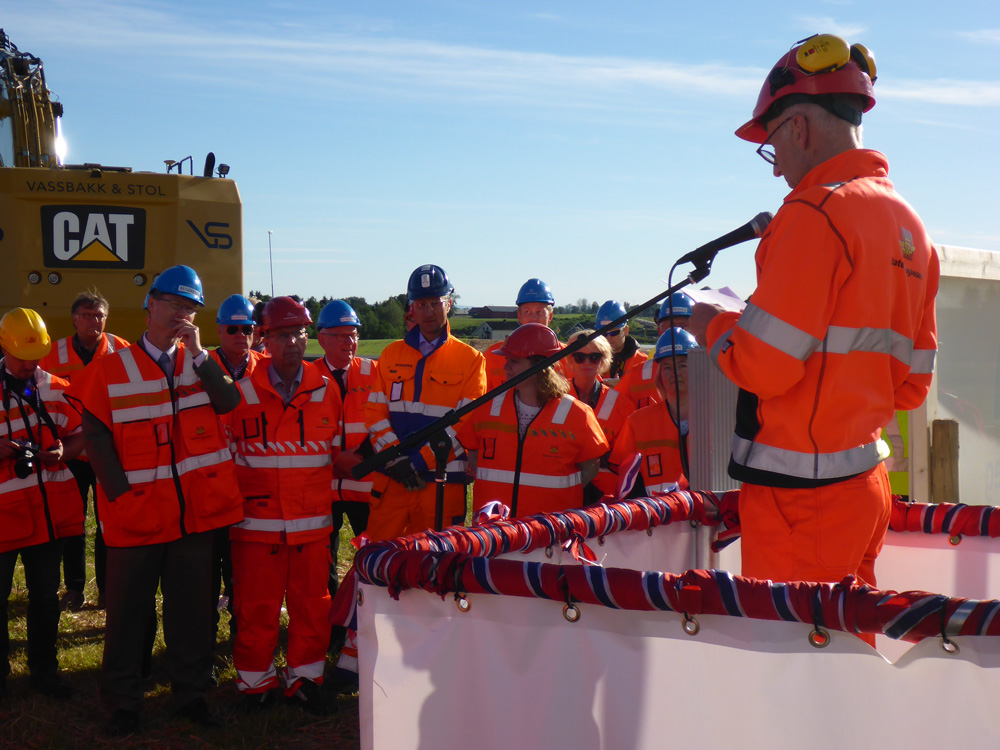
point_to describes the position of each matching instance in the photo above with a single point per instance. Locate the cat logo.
(906, 243)
(93, 237)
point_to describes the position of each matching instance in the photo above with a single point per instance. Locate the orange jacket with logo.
(284, 457)
(651, 432)
(638, 384)
(45, 505)
(362, 376)
(63, 361)
(170, 444)
(412, 391)
(539, 473)
(611, 410)
(839, 333)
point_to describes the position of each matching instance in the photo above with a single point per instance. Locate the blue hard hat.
(607, 312)
(681, 303)
(179, 280)
(428, 281)
(535, 290)
(235, 310)
(674, 341)
(337, 313)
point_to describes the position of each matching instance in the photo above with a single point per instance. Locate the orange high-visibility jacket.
(612, 410)
(839, 333)
(255, 359)
(362, 376)
(63, 361)
(284, 457)
(412, 391)
(170, 444)
(45, 505)
(651, 432)
(539, 473)
(638, 384)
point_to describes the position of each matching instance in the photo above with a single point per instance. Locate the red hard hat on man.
(284, 311)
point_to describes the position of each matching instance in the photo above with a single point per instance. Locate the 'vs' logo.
(93, 237)
(213, 238)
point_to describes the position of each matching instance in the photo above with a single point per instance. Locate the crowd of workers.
(233, 468)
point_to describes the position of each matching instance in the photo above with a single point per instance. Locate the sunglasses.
(594, 357)
(245, 330)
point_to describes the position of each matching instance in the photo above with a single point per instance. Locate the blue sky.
(588, 144)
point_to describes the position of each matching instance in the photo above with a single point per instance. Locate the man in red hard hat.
(839, 333)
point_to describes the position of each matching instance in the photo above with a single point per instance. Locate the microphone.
(753, 229)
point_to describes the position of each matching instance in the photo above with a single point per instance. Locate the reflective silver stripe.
(319, 394)
(529, 480)
(132, 369)
(63, 348)
(249, 394)
(366, 366)
(387, 439)
(922, 362)
(142, 412)
(351, 484)
(290, 527)
(110, 342)
(195, 399)
(562, 411)
(16, 485)
(143, 476)
(312, 672)
(463, 401)
(647, 370)
(418, 407)
(382, 424)
(805, 465)
(608, 405)
(377, 397)
(716, 351)
(496, 404)
(353, 428)
(136, 388)
(457, 448)
(250, 680)
(663, 487)
(306, 461)
(776, 332)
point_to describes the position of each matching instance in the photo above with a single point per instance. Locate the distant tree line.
(381, 320)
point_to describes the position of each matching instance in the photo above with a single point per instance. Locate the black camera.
(24, 458)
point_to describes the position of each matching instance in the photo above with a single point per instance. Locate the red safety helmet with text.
(284, 311)
(530, 340)
(820, 65)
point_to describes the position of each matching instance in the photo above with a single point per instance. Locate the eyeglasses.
(245, 330)
(581, 357)
(767, 152)
(425, 305)
(302, 333)
(184, 307)
(349, 337)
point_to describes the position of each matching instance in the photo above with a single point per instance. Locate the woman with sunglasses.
(533, 447)
(587, 367)
(658, 433)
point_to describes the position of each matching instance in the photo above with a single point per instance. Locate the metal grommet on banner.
(955, 539)
(571, 612)
(462, 602)
(690, 625)
(819, 638)
(600, 540)
(548, 552)
(649, 531)
(361, 597)
(949, 646)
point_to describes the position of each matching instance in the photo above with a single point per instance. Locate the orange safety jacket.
(651, 431)
(612, 410)
(412, 391)
(63, 361)
(540, 472)
(170, 444)
(255, 358)
(362, 376)
(638, 384)
(284, 457)
(839, 333)
(45, 505)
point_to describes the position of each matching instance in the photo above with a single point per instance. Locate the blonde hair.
(602, 346)
(550, 384)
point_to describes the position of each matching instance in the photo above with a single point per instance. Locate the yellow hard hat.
(23, 334)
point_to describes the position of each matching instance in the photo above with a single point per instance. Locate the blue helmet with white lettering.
(235, 310)
(428, 281)
(674, 341)
(680, 303)
(535, 290)
(337, 313)
(610, 310)
(182, 281)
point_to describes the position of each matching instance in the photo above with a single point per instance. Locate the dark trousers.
(41, 574)
(183, 571)
(75, 552)
(222, 580)
(357, 514)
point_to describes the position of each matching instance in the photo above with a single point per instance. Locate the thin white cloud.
(943, 91)
(828, 25)
(982, 36)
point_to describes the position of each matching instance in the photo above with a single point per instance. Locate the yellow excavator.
(67, 228)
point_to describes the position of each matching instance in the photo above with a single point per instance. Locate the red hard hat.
(530, 340)
(284, 311)
(821, 64)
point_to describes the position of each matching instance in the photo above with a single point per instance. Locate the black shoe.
(52, 685)
(309, 697)
(72, 600)
(198, 712)
(252, 703)
(341, 681)
(100, 600)
(122, 723)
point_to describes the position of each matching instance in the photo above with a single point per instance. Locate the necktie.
(164, 362)
(338, 375)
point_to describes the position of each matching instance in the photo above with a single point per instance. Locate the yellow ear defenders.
(825, 53)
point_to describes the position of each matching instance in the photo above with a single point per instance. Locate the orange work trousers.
(399, 512)
(264, 576)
